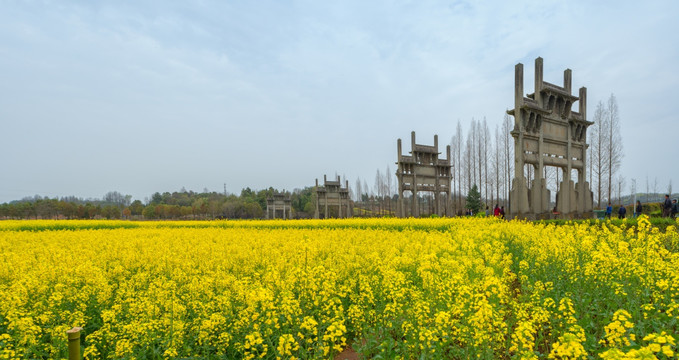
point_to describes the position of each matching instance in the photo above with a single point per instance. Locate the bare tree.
(556, 180)
(117, 199)
(458, 162)
(379, 189)
(480, 156)
(389, 186)
(669, 188)
(469, 159)
(453, 161)
(497, 163)
(359, 190)
(389, 181)
(655, 188)
(590, 160)
(551, 176)
(620, 181)
(471, 155)
(614, 141)
(599, 150)
(484, 144)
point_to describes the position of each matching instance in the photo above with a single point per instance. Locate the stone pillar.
(539, 186)
(518, 204)
(325, 181)
(567, 80)
(316, 213)
(584, 194)
(448, 182)
(538, 80)
(348, 201)
(566, 197)
(437, 188)
(583, 103)
(416, 209)
(339, 198)
(399, 203)
(539, 196)
(399, 177)
(585, 201)
(325, 216)
(569, 170)
(566, 203)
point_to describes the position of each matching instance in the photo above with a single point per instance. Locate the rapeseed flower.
(401, 288)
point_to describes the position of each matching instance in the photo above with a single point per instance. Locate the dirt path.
(347, 354)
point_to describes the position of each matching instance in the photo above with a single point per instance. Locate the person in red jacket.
(496, 211)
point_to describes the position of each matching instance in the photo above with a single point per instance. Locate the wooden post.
(74, 343)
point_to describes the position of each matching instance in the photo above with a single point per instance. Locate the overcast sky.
(145, 96)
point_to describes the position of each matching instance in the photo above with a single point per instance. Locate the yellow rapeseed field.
(390, 288)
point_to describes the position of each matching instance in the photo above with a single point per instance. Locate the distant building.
(332, 196)
(424, 171)
(279, 207)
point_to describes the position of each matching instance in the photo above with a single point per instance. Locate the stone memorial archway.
(548, 133)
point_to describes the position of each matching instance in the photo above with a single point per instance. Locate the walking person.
(609, 210)
(502, 212)
(496, 211)
(666, 206)
(637, 210)
(622, 212)
(674, 209)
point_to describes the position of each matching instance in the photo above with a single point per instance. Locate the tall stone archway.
(424, 171)
(548, 133)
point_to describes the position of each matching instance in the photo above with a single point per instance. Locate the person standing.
(637, 210)
(496, 211)
(674, 209)
(609, 210)
(622, 212)
(502, 212)
(666, 206)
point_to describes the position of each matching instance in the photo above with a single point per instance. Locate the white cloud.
(276, 94)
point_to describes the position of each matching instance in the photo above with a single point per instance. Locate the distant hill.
(645, 198)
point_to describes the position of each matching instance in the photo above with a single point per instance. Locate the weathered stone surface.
(548, 133)
(331, 194)
(420, 171)
(279, 207)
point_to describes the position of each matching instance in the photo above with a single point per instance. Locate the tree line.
(183, 204)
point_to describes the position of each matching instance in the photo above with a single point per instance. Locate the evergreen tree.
(474, 199)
